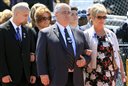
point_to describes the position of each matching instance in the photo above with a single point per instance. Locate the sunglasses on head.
(101, 17)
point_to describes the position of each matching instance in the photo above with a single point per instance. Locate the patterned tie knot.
(68, 39)
(70, 49)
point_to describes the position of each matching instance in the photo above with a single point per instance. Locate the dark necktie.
(70, 49)
(18, 37)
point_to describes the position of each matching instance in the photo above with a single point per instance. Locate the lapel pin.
(24, 35)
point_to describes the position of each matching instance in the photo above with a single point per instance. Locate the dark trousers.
(70, 79)
(38, 82)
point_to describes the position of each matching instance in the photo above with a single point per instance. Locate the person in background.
(6, 15)
(13, 2)
(82, 20)
(123, 31)
(41, 18)
(106, 61)
(59, 51)
(3, 5)
(0, 17)
(32, 12)
(74, 18)
(15, 50)
(89, 23)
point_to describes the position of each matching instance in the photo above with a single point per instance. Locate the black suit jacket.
(52, 56)
(14, 55)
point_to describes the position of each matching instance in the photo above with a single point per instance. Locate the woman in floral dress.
(105, 59)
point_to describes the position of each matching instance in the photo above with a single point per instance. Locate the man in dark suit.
(15, 49)
(57, 64)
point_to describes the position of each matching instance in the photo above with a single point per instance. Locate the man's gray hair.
(20, 6)
(59, 6)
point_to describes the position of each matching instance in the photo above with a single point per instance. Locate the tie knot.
(17, 29)
(65, 30)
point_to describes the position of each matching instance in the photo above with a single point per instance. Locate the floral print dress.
(104, 73)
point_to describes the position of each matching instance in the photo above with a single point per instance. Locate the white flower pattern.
(108, 74)
(98, 68)
(110, 68)
(99, 83)
(92, 77)
(104, 74)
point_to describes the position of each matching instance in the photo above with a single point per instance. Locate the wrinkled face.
(74, 16)
(63, 16)
(44, 20)
(99, 19)
(22, 16)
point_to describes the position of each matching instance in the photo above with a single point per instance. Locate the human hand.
(124, 78)
(81, 62)
(88, 52)
(45, 80)
(6, 79)
(32, 79)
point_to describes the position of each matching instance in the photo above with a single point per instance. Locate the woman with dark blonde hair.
(105, 59)
(41, 18)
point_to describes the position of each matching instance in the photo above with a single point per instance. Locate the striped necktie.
(18, 36)
(70, 48)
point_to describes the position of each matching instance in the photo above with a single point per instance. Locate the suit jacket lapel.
(13, 32)
(60, 37)
(58, 34)
(24, 36)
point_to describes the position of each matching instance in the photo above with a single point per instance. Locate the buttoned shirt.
(61, 28)
(15, 26)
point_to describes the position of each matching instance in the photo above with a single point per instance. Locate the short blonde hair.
(97, 8)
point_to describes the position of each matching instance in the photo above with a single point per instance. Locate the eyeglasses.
(101, 17)
(46, 18)
(39, 19)
(74, 14)
(66, 12)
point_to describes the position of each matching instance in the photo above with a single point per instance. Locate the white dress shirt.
(61, 28)
(15, 26)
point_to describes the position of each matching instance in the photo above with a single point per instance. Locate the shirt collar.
(61, 28)
(14, 25)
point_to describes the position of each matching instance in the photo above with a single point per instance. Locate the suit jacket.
(14, 55)
(52, 56)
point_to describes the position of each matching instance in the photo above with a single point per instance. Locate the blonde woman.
(106, 61)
